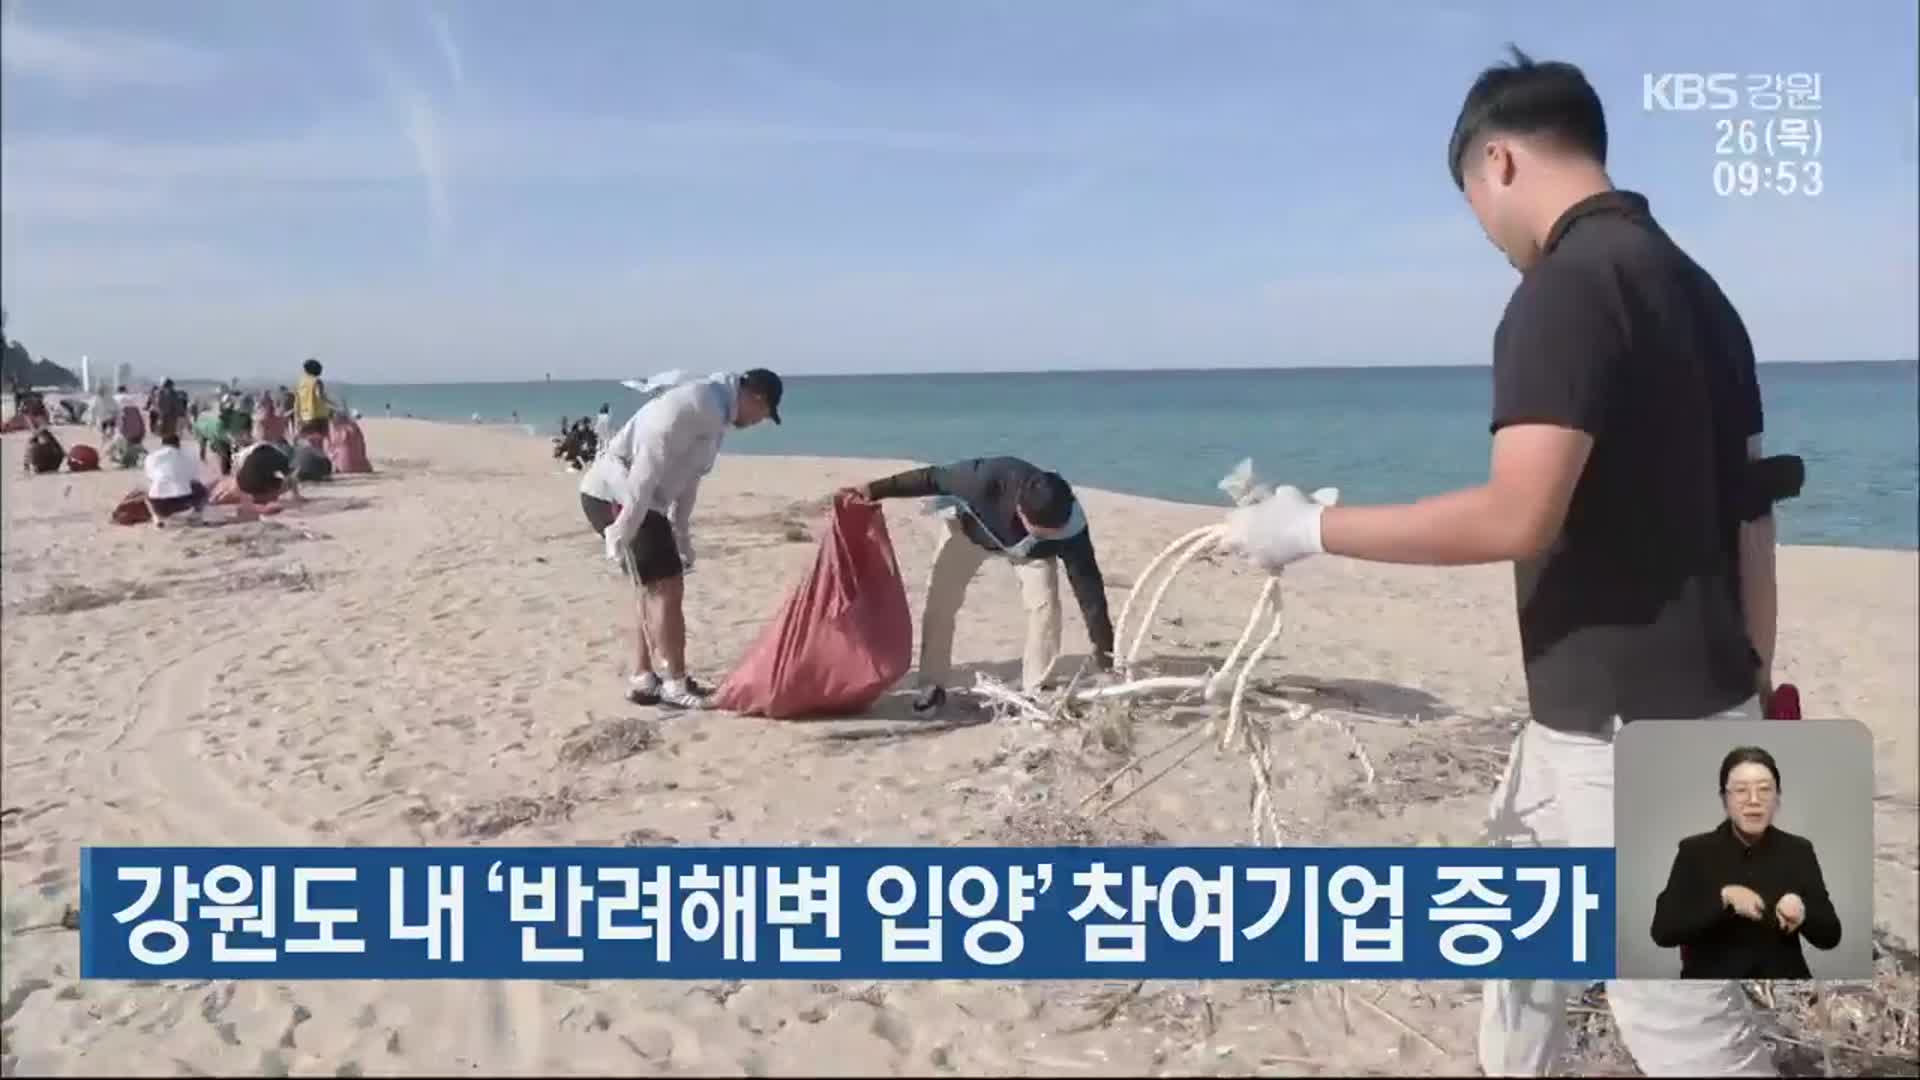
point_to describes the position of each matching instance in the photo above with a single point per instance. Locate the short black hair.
(1553, 100)
(311, 367)
(1748, 755)
(170, 439)
(1046, 500)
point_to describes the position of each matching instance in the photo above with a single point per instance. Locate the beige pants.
(1558, 792)
(956, 560)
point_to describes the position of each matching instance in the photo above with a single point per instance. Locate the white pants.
(956, 561)
(1558, 792)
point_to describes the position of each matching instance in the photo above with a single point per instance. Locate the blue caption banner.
(846, 913)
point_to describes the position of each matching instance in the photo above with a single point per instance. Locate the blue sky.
(438, 191)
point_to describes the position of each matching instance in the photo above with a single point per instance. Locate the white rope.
(1194, 543)
(1139, 586)
(1269, 597)
(1229, 724)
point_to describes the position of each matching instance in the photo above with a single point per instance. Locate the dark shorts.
(314, 427)
(179, 503)
(656, 554)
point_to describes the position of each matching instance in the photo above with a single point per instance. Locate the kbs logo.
(1689, 92)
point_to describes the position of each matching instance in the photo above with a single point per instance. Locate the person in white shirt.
(103, 413)
(602, 427)
(639, 494)
(173, 482)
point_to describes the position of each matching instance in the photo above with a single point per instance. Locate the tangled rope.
(1229, 727)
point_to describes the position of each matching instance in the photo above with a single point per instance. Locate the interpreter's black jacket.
(990, 487)
(1716, 942)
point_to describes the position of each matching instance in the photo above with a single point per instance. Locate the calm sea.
(1379, 434)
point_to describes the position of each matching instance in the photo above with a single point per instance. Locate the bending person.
(639, 495)
(1002, 507)
(173, 482)
(1739, 898)
(263, 471)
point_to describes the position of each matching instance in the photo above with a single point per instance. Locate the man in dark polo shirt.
(1626, 412)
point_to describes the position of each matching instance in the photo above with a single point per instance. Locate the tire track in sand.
(184, 800)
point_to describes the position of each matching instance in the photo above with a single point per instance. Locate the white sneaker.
(644, 689)
(683, 694)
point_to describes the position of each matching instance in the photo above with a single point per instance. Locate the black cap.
(766, 384)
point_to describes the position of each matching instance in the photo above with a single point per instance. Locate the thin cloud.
(449, 48)
(423, 134)
(81, 60)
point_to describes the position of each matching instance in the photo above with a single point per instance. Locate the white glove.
(613, 547)
(686, 556)
(1280, 530)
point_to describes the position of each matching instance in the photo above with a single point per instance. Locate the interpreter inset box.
(1744, 849)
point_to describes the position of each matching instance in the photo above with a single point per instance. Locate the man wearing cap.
(1002, 507)
(639, 495)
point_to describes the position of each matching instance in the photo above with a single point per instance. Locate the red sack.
(1785, 703)
(844, 636)
(133, 510)
(347, 447)
(82, 458)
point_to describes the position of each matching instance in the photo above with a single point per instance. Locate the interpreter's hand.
(686, 557)
(1790, 912)
(1744, 902)
(858, 493)
(612, 542)
(1280, 530)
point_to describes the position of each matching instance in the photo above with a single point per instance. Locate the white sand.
(460, 625)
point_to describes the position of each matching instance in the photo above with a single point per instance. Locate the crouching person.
(263, 472)
(173, 482)
(1002, 508)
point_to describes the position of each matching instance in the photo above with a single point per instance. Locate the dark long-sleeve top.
(990, 488)
(1715, 942)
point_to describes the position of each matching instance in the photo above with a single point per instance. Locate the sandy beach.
(415, 656)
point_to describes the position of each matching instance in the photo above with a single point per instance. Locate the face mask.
(1076, 523)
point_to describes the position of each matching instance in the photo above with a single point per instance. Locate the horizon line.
(1030, 372)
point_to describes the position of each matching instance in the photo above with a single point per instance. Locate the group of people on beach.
(579, 441)
(1626, 485)
(264, 444)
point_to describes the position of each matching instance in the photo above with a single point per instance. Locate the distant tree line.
(19, 368)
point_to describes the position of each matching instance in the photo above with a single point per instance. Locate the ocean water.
(1378, 434)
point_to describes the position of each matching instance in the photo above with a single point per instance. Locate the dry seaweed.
(497, 816)
(606, 742)
(1814, 1029)
(65, 599)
